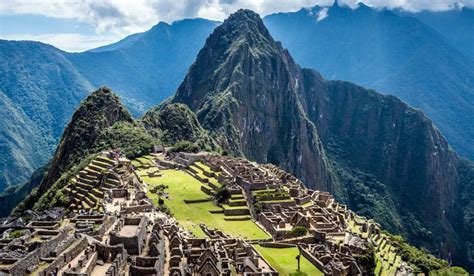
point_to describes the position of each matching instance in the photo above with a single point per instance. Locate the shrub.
(298, 231)
(222, 195)
(15, 234)
(185, 146)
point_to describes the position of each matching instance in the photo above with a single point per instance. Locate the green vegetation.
(182, 186)
(13, 195)
(131, 138)
(366, 196)
(185, 146)
(270, 195)
(284, 261)
(144, 161)
(420, 260)
(15, 234)
(450, 271)
(222, 195)
(39, 90)
(367, 261)
(176, 125)
(298, 231)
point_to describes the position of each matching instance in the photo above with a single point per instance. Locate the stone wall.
(32, 259)
(21, 266)
(136, 208)
(77, 247)
(119, 193)
(312, 259)
(108, 222)
(146, 266)
(118, 264)
(236, 212)
(134, 245)
(108, 252)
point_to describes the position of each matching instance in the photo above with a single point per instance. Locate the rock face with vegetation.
(383, 158)
(173, 123)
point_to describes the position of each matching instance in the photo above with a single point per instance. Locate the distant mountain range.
(144, 69)
(410, 55)
(395, 55)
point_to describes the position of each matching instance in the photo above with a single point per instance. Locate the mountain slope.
(173, 123)
(392, 54)
(100, 123)
(146, 68)
(456, 25)
(383, 158)
(243, 89)
(100, 110)
(39, 90)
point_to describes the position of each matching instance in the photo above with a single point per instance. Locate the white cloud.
(323, 13)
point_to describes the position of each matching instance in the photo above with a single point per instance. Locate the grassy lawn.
(284, 261)
(184, 186)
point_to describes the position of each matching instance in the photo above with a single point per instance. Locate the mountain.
(375, 153)
(101, 122)
(456, 26)
(146, 68)
(99, 111)
(40, 86)
(393, 54)
(407, 60)
(39, 89)
(243, 87)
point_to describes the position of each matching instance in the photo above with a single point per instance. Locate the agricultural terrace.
(284, 261)
(385, 254)
(182, 186)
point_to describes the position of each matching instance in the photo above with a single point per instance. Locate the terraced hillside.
(166, 213)
(273, 210)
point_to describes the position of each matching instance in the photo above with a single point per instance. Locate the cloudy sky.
(78, 25)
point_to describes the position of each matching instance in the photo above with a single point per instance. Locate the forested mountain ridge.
(39, 90)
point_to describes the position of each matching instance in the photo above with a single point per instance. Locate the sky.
(79, 25)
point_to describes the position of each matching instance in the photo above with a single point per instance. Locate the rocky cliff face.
(383, 158)
(382, 136)
(243, 88)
